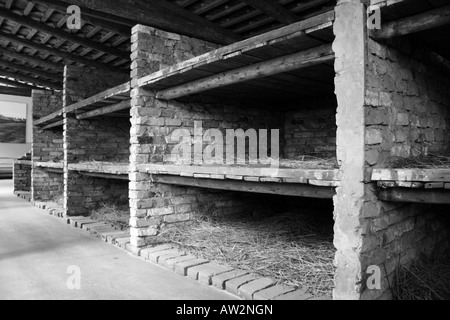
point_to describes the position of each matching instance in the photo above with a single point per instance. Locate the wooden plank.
(413, 175)
(116, 91)
(404, 195)
(50, 117)
(58, 53)
(33, 71)
(102, 167)
(21, 92)
(163, 15)
(17, 84)
(434, 185)
(263, 69)
(32, 60)
(318, 174)
(299, 190)
(425, 21)
(59, 33)
(54, 165)
(239, 47)
(105, 110)
(105, 176)
(29, 79)
(54, 125)
(274, 10)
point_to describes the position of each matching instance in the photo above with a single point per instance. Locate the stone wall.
(91, 140)
(47, 146)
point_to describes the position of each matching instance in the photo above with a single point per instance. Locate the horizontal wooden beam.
(18, 67)
(59, 53)
(105, 176)
(105, 110)
(101, 19)
(17, 84)
(11, 91)
(421, 22)
(406, 195)
(32, 60)
(119, 90)
(163, 15)
(48, 118)
(270, 67)
(59, 33)
(29, 79)
(294, 190)
(411, 175)
(274, 9)
(54, 125)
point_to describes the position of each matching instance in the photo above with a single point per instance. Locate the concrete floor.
(36, 251)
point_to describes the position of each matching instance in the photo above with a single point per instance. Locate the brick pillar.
(89, 140)
(47, 146)
(150, 204)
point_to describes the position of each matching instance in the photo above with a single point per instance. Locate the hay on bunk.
(292, 249)
(424, 280)
(302, 162)
(113, 213)
(438, 160)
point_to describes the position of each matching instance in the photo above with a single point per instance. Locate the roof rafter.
(58, 53)
(17, 84)
(274, 10)
(162, 15)
(18, 67)
(32, 60)
(30, 23)
(29, 79)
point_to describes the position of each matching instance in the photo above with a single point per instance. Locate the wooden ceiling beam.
(30, 23)
(32, 60)
(421, 22)
(111, 23)
(163, 15)
(13, 91)
(59, 53)
(18, 67)
(29, 79)
(274, 10)
(17, 84)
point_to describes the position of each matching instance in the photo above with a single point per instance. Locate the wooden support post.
(279, 65)
(105, 110)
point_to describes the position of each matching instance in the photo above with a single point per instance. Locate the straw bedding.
(113, 213)
(438, 160)
(424, 280)
(291, 248)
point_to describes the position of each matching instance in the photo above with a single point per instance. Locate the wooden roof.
(35, 42)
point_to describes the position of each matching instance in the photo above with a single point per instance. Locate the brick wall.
(47, 146)
(406, 114)
(92, 140)
(22, 174)
(310, 128)
(407, 103)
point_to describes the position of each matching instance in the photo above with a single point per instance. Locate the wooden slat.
(116, 91)
(36, 81)
(294, 31)
(105, 110)
(425, 21)
(404, 195)
(54, 125)
(274, 10)
(59, 53)
(17, 84)
(33, 71)
(51, 117)
(105, 176)
(413, 175)
(21, 92)
(32, 60)
(299, 190)
(313, 174)
(263, 69)
(30, 23)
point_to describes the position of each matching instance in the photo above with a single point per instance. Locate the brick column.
(47, 146)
